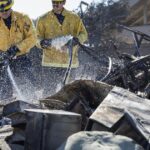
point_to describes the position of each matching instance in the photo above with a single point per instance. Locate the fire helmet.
(5, 5)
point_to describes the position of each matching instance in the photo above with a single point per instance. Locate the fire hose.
(88, 51)
(67, 73)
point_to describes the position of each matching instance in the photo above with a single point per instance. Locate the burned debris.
(123, 113)
(102, 108)
(134, 72)
(50, 128)
(111, 110)
(133, 75)
(119, 110)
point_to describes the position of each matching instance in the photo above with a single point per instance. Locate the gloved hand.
(12, 51)
(45, 43)
(74, 40)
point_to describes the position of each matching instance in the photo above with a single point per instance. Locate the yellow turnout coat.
(48, 27)
(22, 33)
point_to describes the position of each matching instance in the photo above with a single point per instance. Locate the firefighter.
(17, 37)
(56, 23)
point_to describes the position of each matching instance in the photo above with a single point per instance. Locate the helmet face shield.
(6, 5)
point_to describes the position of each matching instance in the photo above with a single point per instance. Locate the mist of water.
(60, 41)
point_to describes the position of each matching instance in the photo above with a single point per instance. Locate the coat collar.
(14, 16)
(64, 12)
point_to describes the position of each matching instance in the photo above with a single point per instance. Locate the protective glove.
(12, 51)
(74, 40)
(45, 43)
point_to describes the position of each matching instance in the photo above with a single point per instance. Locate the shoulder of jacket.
(20, 15)
(44, 16)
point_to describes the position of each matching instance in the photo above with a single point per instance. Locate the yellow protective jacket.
(48, 27)
(22, 33)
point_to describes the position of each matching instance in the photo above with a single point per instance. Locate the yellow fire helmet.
(5, 5)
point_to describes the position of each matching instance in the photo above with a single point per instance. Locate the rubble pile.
(15, 111)
(132, 74)
(85, 114)
(123, 113)
(107, 112)
(111, 111)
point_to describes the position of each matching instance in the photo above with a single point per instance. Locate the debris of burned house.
(52, 124)
(138, 38)
(133, 75)
(50, 128)
(110, 115)
(93, 92)
(15, 111)
(80, 96)
(124, 113)
(133, 72)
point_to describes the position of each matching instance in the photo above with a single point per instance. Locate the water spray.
(59, 42)
(64, 41)
(20, 96)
